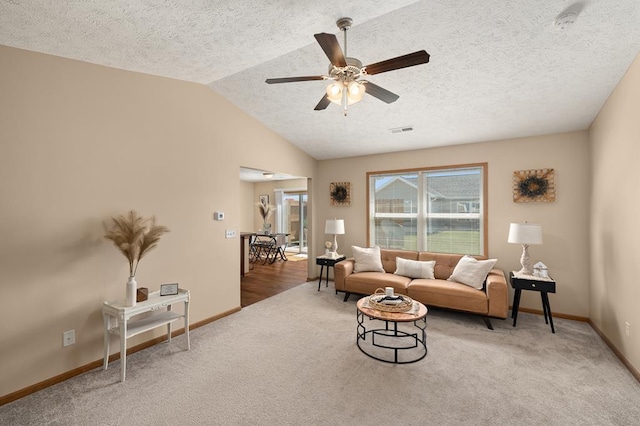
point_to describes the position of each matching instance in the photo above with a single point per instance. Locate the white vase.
(132, 287)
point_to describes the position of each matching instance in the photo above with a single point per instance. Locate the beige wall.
(615, 207)
(565, 222)
(80, 143)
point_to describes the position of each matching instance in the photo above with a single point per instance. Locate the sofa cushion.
(369, 282)
(449, 294)
(414, 268)
(367, 259)
(445, 263)
(472, 272)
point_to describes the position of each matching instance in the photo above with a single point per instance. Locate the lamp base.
(524, 271)
(527, 268)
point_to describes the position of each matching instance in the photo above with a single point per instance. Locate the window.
(435, 209)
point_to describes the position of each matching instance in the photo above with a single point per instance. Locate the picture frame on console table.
(168, 289)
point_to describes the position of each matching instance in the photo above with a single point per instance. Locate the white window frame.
(422, 215)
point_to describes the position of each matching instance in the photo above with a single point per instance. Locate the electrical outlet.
(627, 329)
(68, 338)
(230, 233)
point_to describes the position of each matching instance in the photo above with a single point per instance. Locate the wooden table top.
(391, 316)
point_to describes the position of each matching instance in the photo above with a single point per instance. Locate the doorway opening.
(294, 218)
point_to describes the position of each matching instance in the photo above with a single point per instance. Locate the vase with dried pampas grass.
(134, 236)
(266, 210)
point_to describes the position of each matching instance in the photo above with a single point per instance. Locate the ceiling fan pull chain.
(344, 99)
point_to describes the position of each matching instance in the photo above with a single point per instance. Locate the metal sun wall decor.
(340, 193)
(534, 186)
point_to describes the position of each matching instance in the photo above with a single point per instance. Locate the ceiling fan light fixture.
(334, 92)
(356, 91)
(352, 91)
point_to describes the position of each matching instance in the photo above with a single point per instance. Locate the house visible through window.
(436, 209)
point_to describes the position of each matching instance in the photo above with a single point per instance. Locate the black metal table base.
(393, 341)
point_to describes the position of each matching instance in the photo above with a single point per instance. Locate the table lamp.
(335, 227)
(525, 234)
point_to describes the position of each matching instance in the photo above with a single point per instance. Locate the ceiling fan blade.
(415, 58)
(378, 92)
(293, 79)
(323, 104)
(331, 47)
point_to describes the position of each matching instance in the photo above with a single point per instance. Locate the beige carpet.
(292, 360)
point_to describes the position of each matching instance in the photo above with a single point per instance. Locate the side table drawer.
(328, 261)
(548, 286)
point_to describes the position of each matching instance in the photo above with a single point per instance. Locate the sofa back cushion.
(445, 263)
(389, 258)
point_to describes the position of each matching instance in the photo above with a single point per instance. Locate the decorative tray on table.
(396, 303)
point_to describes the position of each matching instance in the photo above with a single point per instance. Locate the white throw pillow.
(367, 259)
(472, 272)
(414, 268)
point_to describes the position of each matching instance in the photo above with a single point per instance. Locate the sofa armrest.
(342, 270)
(497, 293)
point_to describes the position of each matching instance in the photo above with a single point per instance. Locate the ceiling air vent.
(401, 129)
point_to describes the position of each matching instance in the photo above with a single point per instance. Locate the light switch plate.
(230, 233)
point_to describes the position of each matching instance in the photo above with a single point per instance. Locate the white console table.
(127, 325)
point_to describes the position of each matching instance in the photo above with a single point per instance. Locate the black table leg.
(320, 280)
(544, 307)
(326, 284)
(545, 302)
(516, 305)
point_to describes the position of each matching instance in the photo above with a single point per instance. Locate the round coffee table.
(391, 343)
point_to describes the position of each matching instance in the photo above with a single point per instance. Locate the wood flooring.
(267, 280)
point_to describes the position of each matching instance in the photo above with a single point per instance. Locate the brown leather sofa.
(491, 301)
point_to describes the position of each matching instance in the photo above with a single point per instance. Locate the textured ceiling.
(499, 68)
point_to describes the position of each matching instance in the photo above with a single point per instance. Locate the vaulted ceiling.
(499, 68)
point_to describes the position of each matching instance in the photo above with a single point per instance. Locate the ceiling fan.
(348, 87)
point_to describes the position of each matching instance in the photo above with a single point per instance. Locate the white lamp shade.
(334, 226)
(525, 233)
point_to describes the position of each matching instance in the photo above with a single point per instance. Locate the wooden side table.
(526, 282)
(328, 262)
